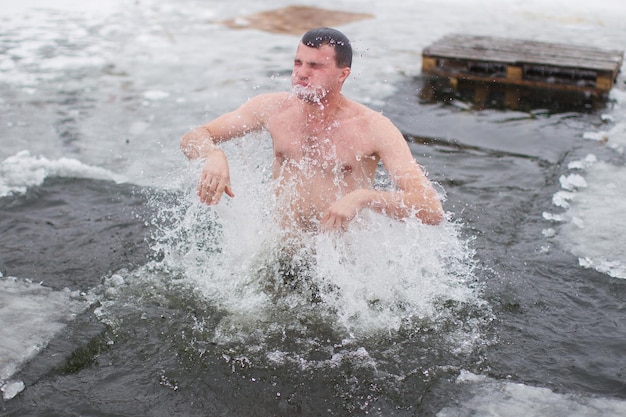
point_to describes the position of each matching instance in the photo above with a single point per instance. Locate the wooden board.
(523, 62)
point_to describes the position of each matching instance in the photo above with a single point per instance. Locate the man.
(326, 147)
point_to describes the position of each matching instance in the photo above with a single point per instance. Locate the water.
(120, 295)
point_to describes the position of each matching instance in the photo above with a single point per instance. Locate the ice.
(155, 95)
(24, 170)
(491, 398)
(11, 388)
(31, 315)
(572, 181)
(593, 226)
(599, 136)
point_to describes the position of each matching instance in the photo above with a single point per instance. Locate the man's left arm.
(414, 194)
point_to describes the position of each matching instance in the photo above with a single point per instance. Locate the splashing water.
(381, 275)
(309, 94)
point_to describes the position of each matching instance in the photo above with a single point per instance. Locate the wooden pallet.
(523, 63)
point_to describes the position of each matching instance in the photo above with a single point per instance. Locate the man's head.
(315, 38)
(321, 65)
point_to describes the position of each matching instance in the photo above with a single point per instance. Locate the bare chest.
(339, 147)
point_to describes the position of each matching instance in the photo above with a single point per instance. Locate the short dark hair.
(315, 38)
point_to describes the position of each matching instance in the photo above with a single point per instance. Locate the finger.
(332, 223)
(327, 221)
(203, 191)
(216, 195)
(221, 188)
(340, 223)
(214, 191)
(207, 188)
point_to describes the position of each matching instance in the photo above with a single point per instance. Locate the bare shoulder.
(260, 108)
(271, 101)
(379, 126)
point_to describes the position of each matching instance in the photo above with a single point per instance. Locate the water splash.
(381, 275)
(310, 94)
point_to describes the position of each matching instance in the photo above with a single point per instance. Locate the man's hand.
(215, 178)
(339, 215)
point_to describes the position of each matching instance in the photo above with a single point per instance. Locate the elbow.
(429, 209)
(191, 142)
(433, 219)
(186, 147)
(432, 216)
(195, 143)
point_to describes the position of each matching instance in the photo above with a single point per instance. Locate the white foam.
(357, 355)
(155, 95)
(23, 170)
(494, 398)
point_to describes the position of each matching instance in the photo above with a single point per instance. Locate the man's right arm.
(202, 140)
(202, 143)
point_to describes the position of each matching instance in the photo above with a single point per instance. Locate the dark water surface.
(549, 322)
(71, 232)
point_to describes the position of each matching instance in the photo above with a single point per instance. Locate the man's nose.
(301, 72)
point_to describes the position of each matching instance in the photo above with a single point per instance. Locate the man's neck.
(324, 108)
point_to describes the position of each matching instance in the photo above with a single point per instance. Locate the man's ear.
(345, 72)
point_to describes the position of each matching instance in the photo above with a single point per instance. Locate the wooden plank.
(604, 83)
(513, 51)
(515, 45)
(525, 83)
(429, 64)
(548, 57)
(514, 72)
(523, 62)
(469, 42)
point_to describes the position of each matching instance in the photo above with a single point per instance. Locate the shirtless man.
(326, 147)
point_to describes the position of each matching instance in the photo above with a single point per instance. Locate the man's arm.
(202, 140)
(415, 194)
(202, 143)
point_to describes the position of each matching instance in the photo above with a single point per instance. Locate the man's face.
(315, 72)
